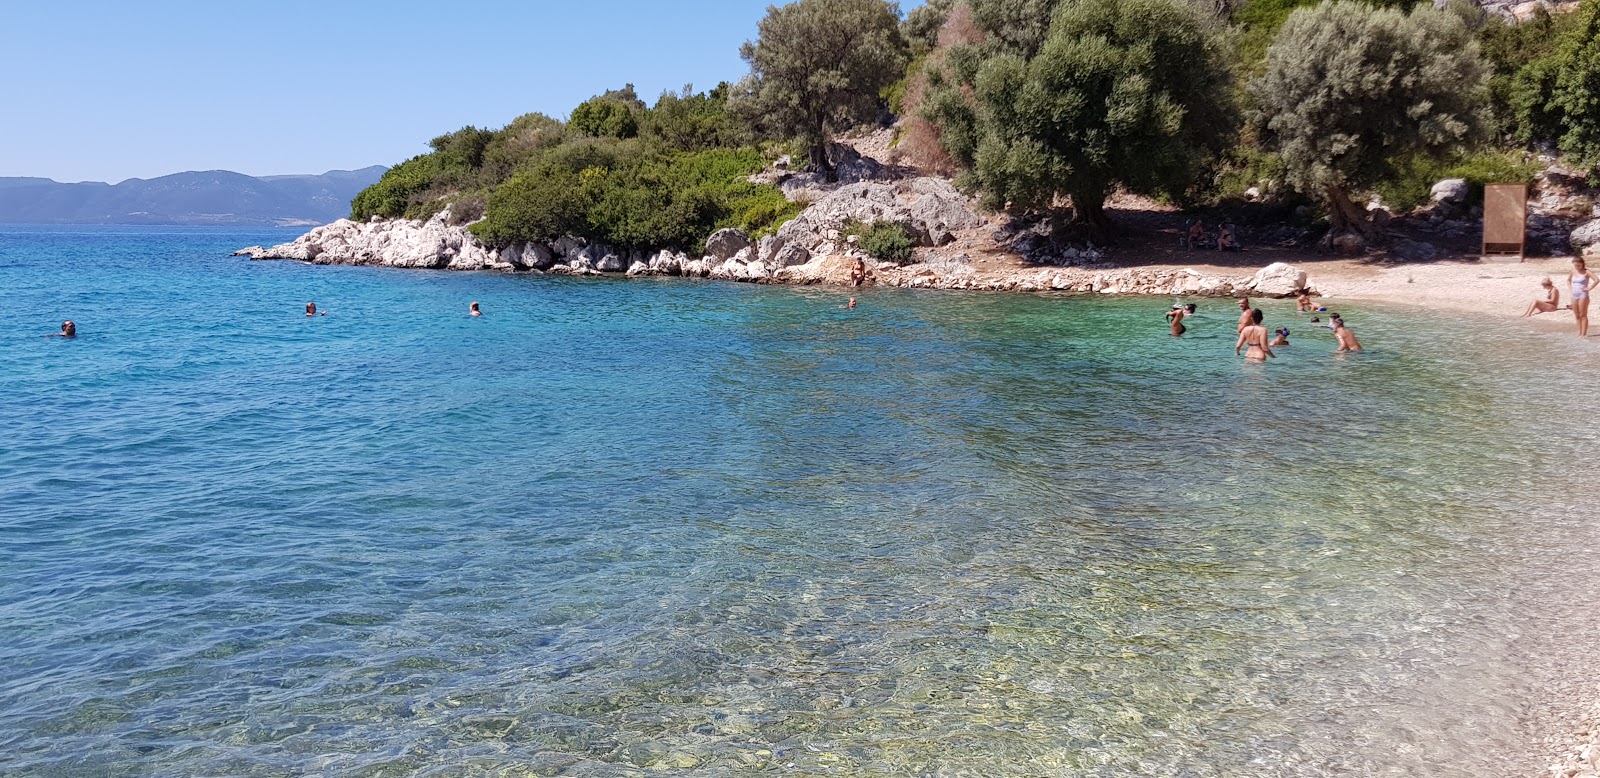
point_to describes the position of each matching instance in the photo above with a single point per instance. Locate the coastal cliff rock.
(433, 244)
(811, 249)
(930, 209)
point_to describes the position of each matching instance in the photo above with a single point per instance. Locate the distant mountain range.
(209, 197)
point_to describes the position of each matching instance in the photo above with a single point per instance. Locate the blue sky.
(104, 91)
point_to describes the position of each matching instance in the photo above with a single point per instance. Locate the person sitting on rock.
(1227, 240)
(858, 274)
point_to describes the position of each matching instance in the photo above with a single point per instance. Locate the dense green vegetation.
(1037, 104)
(616, 172)
(1112, 93)
(885, 241)
(1349, 89)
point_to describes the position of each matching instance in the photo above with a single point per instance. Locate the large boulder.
(1278, 279)
(666, 263)
(1586, 235)
(929, 209)
(1405, 248)
(724, 243)
(790, 255)
(610, 263)
(1451, 191)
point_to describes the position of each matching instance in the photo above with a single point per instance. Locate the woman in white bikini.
(1583, 281)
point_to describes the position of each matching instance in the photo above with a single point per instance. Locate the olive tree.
(1349, 88)
(1120, 93)
(819, 66)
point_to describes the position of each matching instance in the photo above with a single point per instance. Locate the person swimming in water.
(472, 309)
(1254, 336)
(1346, 339)
(68, 330)
(852, 304)
(1176, 316)
(1583, 282)
(1282, 339)
(1551, 301)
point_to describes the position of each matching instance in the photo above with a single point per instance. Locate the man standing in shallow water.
(1245, 317)
(1346, 338)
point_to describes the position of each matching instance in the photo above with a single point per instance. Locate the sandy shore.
(1497, 287)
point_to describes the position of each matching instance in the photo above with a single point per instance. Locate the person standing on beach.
(1245, 315)
(1552, 299)
(1346, 339)
(1583, 282)
(1254, 336)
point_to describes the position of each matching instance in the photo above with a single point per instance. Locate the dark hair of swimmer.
(1256, 315)
(1189, 307)
(311, 309)
(68, 329)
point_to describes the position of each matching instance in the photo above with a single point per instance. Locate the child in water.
(1282, 339)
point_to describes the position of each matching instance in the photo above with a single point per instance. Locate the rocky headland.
(959, 247)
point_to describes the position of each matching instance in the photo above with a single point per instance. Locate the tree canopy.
(1130, 93)
(1349, 89)
(818, 66)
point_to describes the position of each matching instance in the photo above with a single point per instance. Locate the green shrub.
(884, 241)
(632, 194)
(601, 117)
(1414, 177)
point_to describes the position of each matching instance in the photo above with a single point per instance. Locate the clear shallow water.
(618, 528)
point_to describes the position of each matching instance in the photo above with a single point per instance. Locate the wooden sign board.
(1505, 220)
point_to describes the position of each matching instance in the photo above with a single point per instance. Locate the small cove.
(620, 526)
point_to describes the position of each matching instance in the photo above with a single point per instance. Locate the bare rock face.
(1278, 279)
(930, 209)
(435, 243)
(833, 269)
(1586, 235)
(791, 254)
(725, 243)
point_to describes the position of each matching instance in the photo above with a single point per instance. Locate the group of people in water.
(1583, 281)
(1254, 339)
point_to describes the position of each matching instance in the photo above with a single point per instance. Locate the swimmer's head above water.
(68, 329)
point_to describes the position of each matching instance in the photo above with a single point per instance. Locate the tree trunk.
(1091, 211)
(817, 151)
(1347, 218)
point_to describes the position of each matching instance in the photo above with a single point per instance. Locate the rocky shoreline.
(813, 248)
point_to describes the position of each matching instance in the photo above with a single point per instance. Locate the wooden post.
(1505, 220)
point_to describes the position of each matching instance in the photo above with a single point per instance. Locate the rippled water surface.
(621, 528)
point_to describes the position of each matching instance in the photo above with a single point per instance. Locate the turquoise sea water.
(645, 527)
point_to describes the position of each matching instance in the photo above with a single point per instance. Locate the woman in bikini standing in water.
(1254, 336)
(1583, 282)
